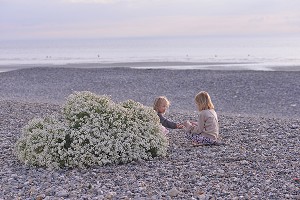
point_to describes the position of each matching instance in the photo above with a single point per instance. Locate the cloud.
(126, 18)
(92, 1)
(102, 1)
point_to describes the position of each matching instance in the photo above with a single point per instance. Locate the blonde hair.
(159, 100)
(203, 101)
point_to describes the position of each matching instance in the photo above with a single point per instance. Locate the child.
(161, 104)
(206, 130)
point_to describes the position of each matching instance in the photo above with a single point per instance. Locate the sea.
(211, 53)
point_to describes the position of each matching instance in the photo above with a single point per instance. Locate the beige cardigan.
(207, 126)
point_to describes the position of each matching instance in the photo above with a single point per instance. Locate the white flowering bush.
(92, 130)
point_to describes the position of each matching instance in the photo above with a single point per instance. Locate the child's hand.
(194, 123)
(187, 124)
(180, 126)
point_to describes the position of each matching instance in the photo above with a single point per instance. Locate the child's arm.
(188, 126)
(166, 123)
(198, 126)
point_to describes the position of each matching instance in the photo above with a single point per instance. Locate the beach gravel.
(259, 124)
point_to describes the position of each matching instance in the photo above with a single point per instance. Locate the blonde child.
(206, 130)
(161, 104)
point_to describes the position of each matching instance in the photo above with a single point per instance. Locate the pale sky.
(40, 19)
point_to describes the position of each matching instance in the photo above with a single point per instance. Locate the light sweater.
(208, 125)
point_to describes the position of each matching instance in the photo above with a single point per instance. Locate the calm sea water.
(211, 53)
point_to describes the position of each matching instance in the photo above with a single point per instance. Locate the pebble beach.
(259, 125)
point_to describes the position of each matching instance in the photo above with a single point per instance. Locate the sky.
(59, 19)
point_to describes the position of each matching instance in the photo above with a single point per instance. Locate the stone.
(173, 192)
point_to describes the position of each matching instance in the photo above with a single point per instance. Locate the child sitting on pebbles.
(161, 104)
(206, 130)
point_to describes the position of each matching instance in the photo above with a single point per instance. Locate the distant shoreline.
(171, 65)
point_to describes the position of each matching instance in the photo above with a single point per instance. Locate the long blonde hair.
(159, 100)
(203, 101)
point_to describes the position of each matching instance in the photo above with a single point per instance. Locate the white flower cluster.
(93, 130)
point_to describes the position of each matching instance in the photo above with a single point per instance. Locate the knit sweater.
(207, 126)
